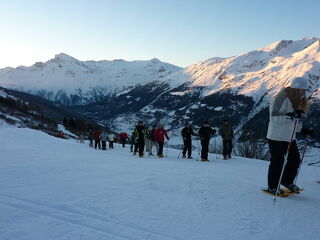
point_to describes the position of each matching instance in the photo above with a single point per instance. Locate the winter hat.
(300, 83)
(206, 122)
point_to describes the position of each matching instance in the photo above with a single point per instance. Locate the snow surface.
(58, 189)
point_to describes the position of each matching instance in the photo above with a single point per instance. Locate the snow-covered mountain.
(69, 81)
(238, 88)
(260, 73)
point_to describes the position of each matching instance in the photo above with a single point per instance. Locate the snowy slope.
(59, 189)
(68, 80)
(262, 71)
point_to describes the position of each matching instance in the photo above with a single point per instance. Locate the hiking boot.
(275, 192)
(161, 156)
(189, 157)
(184, 156)
(225, 158)
(292, 187)
(141, 155)
(229, 156)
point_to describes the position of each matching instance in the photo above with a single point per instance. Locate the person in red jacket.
(96, 136)
(123, 136)
(159, 136)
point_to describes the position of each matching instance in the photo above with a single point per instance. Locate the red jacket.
(159, 135)
(123, 135)
(96, 135)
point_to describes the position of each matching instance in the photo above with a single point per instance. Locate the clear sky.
(179, 32)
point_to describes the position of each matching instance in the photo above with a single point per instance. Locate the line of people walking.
(99, 140)
(145, 140)
(205, 133)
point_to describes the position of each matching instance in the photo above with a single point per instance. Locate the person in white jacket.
(111, 139)
(289, 104)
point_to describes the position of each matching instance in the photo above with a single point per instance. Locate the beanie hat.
(300, 83)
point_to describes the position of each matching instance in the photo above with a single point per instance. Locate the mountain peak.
(64, 57)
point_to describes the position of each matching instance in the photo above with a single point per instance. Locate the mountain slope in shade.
(67, 80)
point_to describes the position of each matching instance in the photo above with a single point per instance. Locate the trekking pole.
(167, 148)
(198, 150)
(301, 160)
(215, 147)
(179, 154)
(285, 160)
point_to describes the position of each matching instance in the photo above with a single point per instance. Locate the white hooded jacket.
(111, 137)
(281, 126)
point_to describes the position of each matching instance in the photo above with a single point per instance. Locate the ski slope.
(59, 189)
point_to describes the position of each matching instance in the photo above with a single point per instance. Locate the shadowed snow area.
(59, 189)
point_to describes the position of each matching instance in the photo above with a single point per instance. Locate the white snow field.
(52, 188)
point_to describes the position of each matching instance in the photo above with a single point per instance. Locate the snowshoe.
(204, 160)
(273, 191)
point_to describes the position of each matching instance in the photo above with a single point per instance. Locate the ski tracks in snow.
(109, 227)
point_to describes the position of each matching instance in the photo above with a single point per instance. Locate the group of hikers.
(99, 139)
(287, 108)
(144, 140)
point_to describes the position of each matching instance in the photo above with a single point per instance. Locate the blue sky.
(179, 32)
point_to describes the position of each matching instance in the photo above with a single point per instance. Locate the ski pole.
(285, 160)
(301, 160)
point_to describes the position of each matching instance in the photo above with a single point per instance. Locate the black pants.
(123, 141)
(278, 151)
(141, 146)
(187, 147)
(136, 147)
(160, 152)
(97, 143)
(110, 144)
(204, 148)
(103, 145)
(227, 147)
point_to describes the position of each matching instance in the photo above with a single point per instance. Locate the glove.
(295, 114)
(307, 132)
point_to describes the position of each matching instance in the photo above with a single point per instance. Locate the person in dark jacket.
(205, 133)
(226, 133)
(90, 138)
(140, 133)
(186, 134)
